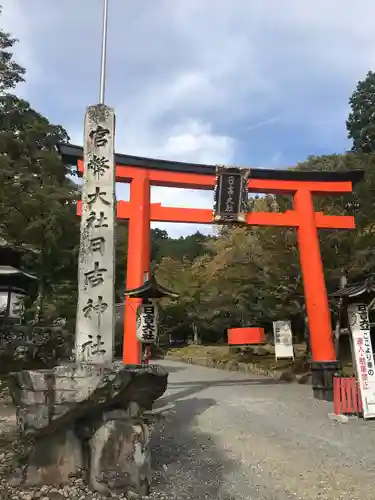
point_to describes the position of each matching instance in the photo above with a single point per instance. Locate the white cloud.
(212, 81)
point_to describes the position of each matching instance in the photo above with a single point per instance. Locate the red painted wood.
(207, 182)
(246, 336)
(204, 216)
(319, 317)
(138, 263)
(346, 396)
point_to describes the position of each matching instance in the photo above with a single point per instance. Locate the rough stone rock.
(304, 378)
(54, 459)
(287, 376)
(90, 420)
(120, 458)
(342, 419)
(257, 350)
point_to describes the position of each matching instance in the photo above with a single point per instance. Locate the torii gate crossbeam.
(142, 173)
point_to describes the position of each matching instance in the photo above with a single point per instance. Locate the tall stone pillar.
(96, 269)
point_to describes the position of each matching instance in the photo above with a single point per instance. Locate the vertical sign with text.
(364, 358)
(230, 195)
(96, 267)
(283, 339)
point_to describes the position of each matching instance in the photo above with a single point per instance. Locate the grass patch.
(262, 356)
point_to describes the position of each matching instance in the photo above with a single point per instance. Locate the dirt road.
(231, 436)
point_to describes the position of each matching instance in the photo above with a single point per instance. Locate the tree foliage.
(252, 276)
(37, 198)
(241, 276)
(11, 73)
(361, 121)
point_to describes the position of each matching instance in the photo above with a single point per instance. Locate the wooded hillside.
(239, 277)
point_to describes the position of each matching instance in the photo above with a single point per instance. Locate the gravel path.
(231, 436)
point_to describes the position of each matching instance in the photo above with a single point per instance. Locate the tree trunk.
(39, 302)
(197, 340)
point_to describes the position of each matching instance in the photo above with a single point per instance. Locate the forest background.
(238, 277)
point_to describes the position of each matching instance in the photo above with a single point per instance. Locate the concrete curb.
(250, 368)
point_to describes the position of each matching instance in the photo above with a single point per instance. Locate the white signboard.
(147, 323)
(364, 357)
(283, 339)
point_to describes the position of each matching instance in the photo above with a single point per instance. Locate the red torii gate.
(142, 173)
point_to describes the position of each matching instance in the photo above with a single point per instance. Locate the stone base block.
(90, 420)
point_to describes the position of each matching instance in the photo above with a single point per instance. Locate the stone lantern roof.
(150, 289)
(11, 273)
(356, 289)
(15, 276)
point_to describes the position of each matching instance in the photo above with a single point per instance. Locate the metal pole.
(104, 53)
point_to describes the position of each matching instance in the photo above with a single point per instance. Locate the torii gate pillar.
(313, 279)
(324, 363)
(138, 268)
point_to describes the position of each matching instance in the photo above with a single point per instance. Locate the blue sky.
(250, 82)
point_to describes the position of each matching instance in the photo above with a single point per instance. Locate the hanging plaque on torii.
(230, 195)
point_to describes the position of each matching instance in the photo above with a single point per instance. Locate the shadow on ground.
(186, 389)
(187, 463)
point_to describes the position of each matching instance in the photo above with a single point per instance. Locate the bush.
(33, 347)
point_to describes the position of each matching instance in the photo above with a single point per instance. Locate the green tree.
(121, 258)
(252, 276)
(188, 247)
(11, 73)
(37, 197)
(183, 318)
(348, 252)
(159, 239)
(361, 121)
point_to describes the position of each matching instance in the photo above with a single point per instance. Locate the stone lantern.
(147, 313)
(15, 284)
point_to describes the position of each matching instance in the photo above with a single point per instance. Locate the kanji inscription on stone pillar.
(96, 270)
